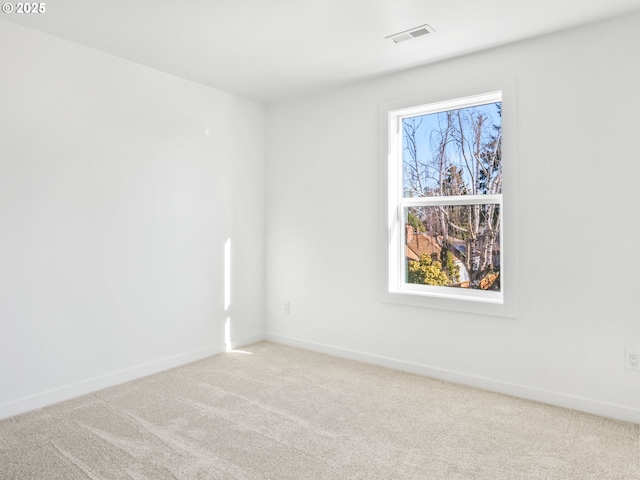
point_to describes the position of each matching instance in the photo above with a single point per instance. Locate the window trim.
(392, 271)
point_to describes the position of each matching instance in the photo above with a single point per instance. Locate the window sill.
(458, 303)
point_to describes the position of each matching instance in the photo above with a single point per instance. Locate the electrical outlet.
(287, 308)
(632, 359)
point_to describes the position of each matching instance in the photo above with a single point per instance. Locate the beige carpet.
(285, 413)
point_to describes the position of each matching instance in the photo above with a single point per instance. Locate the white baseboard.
(67, 392)
(552, 398)
(243, 342)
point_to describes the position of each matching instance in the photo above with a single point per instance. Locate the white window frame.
(394, 287)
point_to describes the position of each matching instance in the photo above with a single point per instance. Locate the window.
(445, 225)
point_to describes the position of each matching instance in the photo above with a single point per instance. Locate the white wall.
(577, 122)
(119, 186)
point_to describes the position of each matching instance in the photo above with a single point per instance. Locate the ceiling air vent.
(411, 33)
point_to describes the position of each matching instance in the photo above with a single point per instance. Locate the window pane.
(453, 246)
(456, 152)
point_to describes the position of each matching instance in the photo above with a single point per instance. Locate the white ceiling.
(272, 49)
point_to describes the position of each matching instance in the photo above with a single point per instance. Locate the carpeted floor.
(278, 412)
